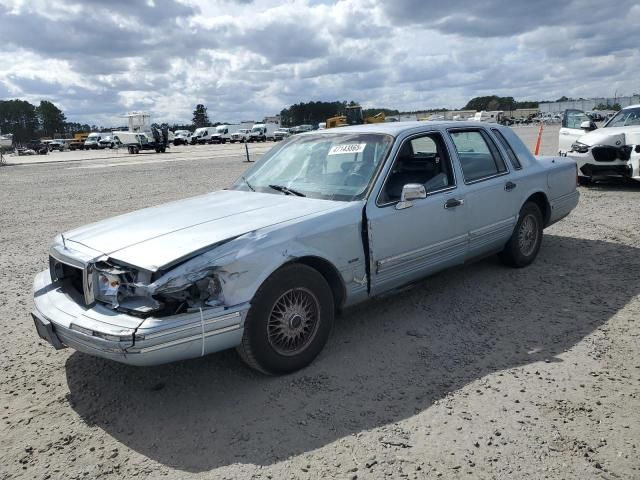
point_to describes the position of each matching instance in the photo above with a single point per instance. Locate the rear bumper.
(63, 320)
(562, 206)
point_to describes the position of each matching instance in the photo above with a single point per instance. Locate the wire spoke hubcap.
(293, 321)
(528, 235)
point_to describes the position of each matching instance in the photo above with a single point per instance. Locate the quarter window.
(479, 156)
(513, 158)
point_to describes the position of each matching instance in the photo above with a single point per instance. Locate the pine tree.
(200, 117)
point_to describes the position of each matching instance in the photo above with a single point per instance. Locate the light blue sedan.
(323, 221)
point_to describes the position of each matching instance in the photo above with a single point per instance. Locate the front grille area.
(605, 153)
(72, 275)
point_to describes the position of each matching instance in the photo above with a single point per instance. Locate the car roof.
(398, 128)
(632, 106)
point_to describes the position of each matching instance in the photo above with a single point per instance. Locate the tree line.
(28, 122)
(494, 102)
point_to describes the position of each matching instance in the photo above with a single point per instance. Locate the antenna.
(64, 243)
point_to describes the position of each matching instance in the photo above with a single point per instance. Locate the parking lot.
(479, 372)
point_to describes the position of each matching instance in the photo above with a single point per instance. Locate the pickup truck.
(323, 221)
(240, 136)
(281, 134)
(610, 151)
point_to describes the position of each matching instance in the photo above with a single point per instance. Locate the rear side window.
(479, 156)
(513, 158)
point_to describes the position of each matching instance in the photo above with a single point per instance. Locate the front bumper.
(63, 320)
(590, 167)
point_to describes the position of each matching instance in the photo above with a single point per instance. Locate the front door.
(411, 240)
(570, 130)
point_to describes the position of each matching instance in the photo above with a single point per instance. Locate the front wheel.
(524, 244)
(289, 321)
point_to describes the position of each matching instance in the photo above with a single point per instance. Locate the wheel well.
(330, 274)
(541, 200)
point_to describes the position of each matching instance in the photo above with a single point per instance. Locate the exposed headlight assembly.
(579, 147)
(126, 289)
(203, 293)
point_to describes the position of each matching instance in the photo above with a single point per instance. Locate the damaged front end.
(142, 293)
(606, 154)
(106, 308)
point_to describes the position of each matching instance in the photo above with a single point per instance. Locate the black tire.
(524, 244)
(269, 340)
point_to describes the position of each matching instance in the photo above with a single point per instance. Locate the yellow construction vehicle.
(353, 116)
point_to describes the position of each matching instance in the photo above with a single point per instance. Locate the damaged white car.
(323, 221)
(610, 151)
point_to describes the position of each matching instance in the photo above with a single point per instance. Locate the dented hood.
(614, 136)
(159, 236)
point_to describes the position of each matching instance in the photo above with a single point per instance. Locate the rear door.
(492, 196)
(570, 130)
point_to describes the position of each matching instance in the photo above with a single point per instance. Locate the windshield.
(256, 129)
(330, 166)
(625, 118)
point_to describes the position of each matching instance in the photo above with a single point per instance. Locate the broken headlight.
(203, 293)
(119, 288)
(579, 147)
(136, 292)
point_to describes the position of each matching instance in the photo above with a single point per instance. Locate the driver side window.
(423, 160)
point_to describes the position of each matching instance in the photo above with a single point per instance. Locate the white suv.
(610, 151)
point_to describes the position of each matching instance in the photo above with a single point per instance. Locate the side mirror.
(588, 125)
(411, 191)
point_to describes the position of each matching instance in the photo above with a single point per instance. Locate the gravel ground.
(478, 372)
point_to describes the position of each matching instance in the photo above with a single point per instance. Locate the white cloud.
(245, 59)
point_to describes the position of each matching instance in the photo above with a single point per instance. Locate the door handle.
(509, 186)
(453, 202)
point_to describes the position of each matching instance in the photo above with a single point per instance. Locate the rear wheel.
(289, 321)
(524, 244)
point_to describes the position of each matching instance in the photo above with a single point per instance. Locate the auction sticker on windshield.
(347, 148)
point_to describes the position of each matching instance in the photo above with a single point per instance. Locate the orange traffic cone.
(539, 140)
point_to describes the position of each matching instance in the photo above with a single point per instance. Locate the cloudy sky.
(248, 58)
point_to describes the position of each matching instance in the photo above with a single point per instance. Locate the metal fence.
(588, 104)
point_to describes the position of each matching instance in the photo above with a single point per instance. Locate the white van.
(224, 133)
(93, 141)
(202, 135)
(261, 132)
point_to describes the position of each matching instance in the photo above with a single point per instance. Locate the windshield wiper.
(287, 190)
(248, 184)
